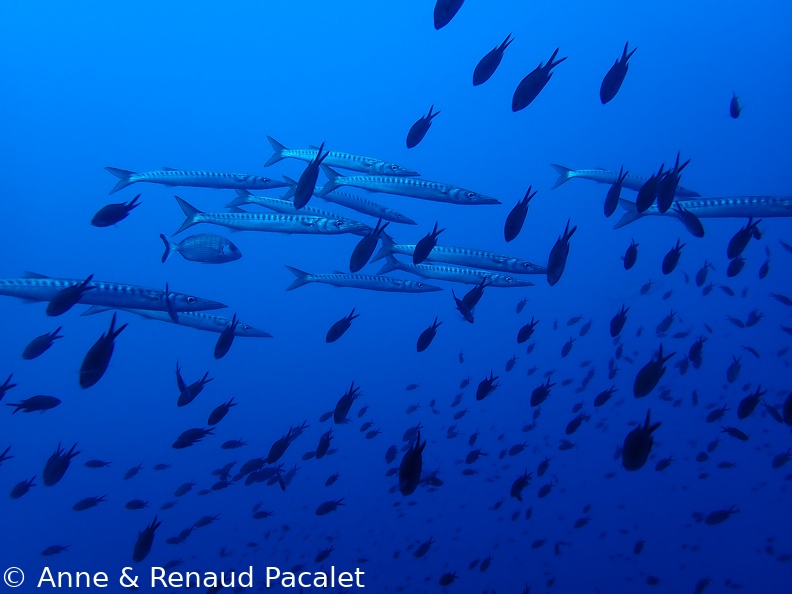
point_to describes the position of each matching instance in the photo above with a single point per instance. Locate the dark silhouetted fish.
(35, 404)
(226, 339)
(39, 345)
(426, 245)
(365, 248)
(306, 184)
(666, 189)
(649, 375)
(739, 241)
(337, 330)
(614, 193)
(558, 256)
(444, 11)
(114, 213)
(648, 191)
(489, 63)
(57, 465)
(615, 76)
(411, 466)
(533, 83)
(638, 444)
(98, 356)
(631, 255)
(671, 259)
(734, 106)
(144, 541)
(419, 129)
(427, 336)
(516, 218)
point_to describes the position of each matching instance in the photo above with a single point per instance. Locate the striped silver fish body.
(362, 281)
(207, 179)
(604, 176)
(412, 187)
(733, 207)
(282, 206)
(456, 274)
(193, 319)
(364, 206)
(474, 259)
(106, 294)
(280, 223)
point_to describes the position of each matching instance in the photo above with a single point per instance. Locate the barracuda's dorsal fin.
(28, 274)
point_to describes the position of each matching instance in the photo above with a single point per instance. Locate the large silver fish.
(284, 206)
(463, 257)
(37, 287)
(405, 186)
(454, 274)
(712, 208)
(197, 179)
(275, 223)
(360, 163)
(603, 176)
(357, 203)
(191, 319)
(360, 281)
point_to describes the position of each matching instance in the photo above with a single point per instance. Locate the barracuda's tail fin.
(564, 175)
(123, 178)
(630, 216)
(190, 212)
(331, 184)
(292, 186)
(390, 265)
(243, 197)
(302, 278)
(278, 148)
(387, 247)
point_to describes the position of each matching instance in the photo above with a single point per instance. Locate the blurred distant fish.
(273, 223)
(359, 163)
(195, 179)
(489, 63)
(405, 186)
(604, 176)
(735, 109)
(360, 281)
(37, 287)
(463, 257)
(454, 274)
(615, 76)
(203, 247)
(444, 11)
(191, 319)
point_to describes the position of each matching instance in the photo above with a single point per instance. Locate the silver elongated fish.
(405, 186)
(284, 206)
(360, 163)
(454, 274)
(604, 176)
(190, 319)
(196, 179)
(37, 287)
(716, 208)
(463, 257)
(360, 281)
(275, 223)
(357, 203)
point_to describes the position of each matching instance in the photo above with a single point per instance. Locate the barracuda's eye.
(420, 285)
(471, 194)
(339, 224)
(509, 279)
(246, 328)
(394, 167)
(190, 299)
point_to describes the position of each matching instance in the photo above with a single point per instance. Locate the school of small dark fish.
(563, 403)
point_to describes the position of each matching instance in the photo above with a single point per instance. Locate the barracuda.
(603, 176)
(275, 223)
(355, 203)
(454, 274)
(337, 159)
(190, 319)
(463, 257)
(716, 208)
(196, 179)
(287, 207)
(405, 186)
(360, 281)
(37, 287)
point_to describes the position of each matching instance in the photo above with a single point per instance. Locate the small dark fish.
(701, 275)
(39, 345)
(631, 255)
(749, 403)
(427, 336)
(57, 465)
(524, 333)
(614, 192)
(35, 404)
(734, 106)
(638, 444)
(516, 219)
(444, 11)
(489, 63)
(735, 433)
(650, 374)
(114, 213)
(67, 298)
(666, 189)
(671, 259)
(219, 413)
(411, 466)
(144, 541)
(338, 329)
(307, 183)
(226, 339)
(365, 248)
(618, 321)
(615, 76)
(425, 246)
(419, 129)
(735, 267)
(488, 385)
(690, 221)
(647, 193)
(720, 515)
(558, 256)
(521, 305)
(739, 241)
(98, 356)
(533, 83)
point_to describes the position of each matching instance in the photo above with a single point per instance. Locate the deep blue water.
(196, 86)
